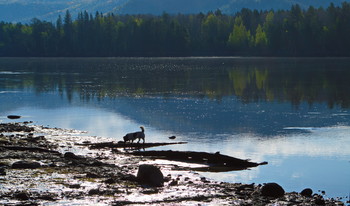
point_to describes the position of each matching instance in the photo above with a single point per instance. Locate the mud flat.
(52, 166)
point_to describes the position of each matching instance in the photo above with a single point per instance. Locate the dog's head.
(125, 138)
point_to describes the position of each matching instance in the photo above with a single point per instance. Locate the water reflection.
(293, 113)
(250, 79)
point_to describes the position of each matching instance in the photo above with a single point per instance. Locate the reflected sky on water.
(293, 113)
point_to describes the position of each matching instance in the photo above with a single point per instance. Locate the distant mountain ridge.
(25, 10)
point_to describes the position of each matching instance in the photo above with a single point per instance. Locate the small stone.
(174, 183)
(70, 155)
(22, 196)
(74, 186)
(150, 191)
(150, 175)
(167, 179)
(48, 197)
(2, 171)
(94, 192)
(272, 190)
(172, 137)
(42, 138)
(306, 192)
(110, 181)
(25, 165)
(13, 116)
(128, 177)
(320, 201)
(92, 175)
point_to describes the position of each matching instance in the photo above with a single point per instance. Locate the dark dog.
(135, 135)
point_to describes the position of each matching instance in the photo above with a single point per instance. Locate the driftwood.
(127, 145)
(215, 161)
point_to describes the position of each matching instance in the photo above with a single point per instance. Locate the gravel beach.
(51, 166)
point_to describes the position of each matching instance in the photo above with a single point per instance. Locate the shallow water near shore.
(293, 113)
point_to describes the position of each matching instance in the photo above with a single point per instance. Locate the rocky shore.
(52, 166)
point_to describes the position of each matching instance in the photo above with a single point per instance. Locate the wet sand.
(53, 166)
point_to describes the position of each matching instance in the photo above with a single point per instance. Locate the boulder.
(150, 175)
(306, 192)
(272, 190)
(25, 165)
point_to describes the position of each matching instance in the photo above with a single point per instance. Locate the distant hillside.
(226, 6)
(172, 6)
(25, 10)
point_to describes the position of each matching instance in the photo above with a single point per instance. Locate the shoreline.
(57, 170)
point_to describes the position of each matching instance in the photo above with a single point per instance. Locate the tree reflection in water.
(249, 79)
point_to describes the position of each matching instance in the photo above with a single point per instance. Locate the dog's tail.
(142, 129)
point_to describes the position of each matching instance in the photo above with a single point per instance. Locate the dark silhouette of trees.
(296, 32)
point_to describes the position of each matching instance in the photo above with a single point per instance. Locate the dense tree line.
(294, 32)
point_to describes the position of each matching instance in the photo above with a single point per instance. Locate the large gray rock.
(272, 190)
(150, 175)
(25, 165)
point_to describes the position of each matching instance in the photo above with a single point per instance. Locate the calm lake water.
(293, 113)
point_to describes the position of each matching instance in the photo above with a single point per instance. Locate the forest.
(294, 32)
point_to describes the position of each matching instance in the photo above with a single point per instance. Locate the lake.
(293, 113)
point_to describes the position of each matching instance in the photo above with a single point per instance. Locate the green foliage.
(297, 32)
(239, 38)
(260, 37)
